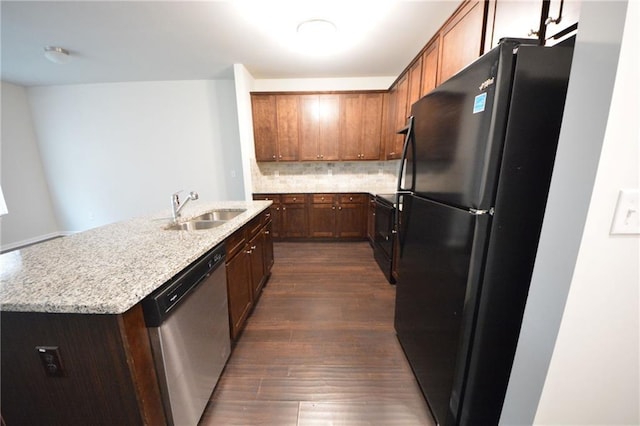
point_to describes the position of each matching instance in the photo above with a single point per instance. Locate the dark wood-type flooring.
(320, 348)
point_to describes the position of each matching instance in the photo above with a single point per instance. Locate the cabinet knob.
(266, 232)
(350, 198)
(280, 156)
(247, 251)
(340, 208)
(274, 156)
(333, 207)
(294, 198)
(253, 248)
(533, 33)
(284, 208)
(321, 156)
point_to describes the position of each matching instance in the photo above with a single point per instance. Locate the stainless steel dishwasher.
(188, 325)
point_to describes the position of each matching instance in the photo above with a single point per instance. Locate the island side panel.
(140, 357)
(96, 388)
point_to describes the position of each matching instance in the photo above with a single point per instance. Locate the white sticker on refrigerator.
(479, 103)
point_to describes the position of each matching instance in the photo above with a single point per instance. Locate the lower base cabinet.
(318, 215)
(248, 266)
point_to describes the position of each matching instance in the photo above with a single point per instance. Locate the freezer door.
(458, 130)
(435, 297)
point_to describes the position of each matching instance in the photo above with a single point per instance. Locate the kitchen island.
(82, 295)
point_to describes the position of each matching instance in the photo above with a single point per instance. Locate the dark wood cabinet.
(312, 126)
(430, 67)
(265, 127)
(351, 218)
(249, 261)
(275, 127)
(294, 219)
(371, 219)
(415, 80)
(267, 231)
(239, 294)
(399, 95)
(322, 216)
(319, 127)
(361, 126)
(461, 39)
(238, 269)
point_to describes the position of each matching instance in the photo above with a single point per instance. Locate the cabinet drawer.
(292, 198)
(323, 199)
(352, 198)
(272, 197)
(254, 225)
(265, 216)
(235, 242)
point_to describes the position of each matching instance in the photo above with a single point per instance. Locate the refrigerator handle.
(408, 144)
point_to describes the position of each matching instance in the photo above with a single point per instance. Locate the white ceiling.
(187, 40)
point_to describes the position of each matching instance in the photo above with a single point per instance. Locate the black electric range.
(384, 235)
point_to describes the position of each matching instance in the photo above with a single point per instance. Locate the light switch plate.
(626, 219)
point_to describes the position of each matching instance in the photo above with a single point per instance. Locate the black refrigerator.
(472, 190)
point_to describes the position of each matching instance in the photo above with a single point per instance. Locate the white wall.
(584, 289)
(595, 368)
(118, 150)
(244, 85)
(31, 217)
(322, 84)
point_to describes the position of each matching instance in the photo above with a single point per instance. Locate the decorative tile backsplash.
(356, 176)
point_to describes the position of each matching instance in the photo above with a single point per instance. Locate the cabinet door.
(265, 132)
(390, 124)
(329, 127)
(294, 216)
(461, 39)
(371, 219)
(430, 68)
(413, 90)
(268, 247)
(309, 127)
(256, 256)
(371, 141)
(351, 116)
(352, 216)
(287, 116)
(322, 216)
(239, 294)
(397, 141)
(515, 19)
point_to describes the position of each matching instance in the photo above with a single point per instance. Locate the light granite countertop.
(109, 269)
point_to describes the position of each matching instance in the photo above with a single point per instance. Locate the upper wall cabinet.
(275, 127)
(361, 126)
(547, 21)
(319, 127)
(328, 126)
(461, 39)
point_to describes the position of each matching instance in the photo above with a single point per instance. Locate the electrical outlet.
(51, 361)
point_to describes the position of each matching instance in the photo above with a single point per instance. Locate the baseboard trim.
(31, 241)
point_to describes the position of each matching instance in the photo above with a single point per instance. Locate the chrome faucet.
(175, 203)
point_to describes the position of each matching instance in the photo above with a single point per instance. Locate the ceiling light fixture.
(57, 55)
(316, 28)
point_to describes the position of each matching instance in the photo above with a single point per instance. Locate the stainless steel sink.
(219, 215)
(207, 220)
(195, 225)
